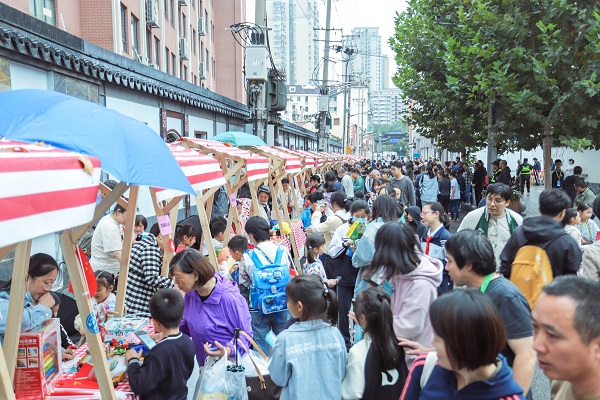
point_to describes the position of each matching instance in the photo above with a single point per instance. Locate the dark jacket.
(479, 176)
(569, 186)
(504, 176)
(562, 250)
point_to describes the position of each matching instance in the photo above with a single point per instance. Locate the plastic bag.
(222, 381)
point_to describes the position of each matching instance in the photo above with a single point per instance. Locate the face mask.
(340, 177)
(362, 220)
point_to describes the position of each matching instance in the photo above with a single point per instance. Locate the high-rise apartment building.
(369, 66)
(387, 106)
(293, 38)
(184, 38)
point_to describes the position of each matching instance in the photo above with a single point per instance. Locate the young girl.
(187, 236)
(377, 358)
(433, 241)
(309, 358)
(315, 246)
(570, 222)
(587, 227)
(102, 299)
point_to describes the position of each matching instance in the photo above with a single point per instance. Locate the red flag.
(88, 273)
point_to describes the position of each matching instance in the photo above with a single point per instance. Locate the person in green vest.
(495, 220)
(524, 173)
(496, 171)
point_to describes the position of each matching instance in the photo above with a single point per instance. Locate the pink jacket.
(413, 294)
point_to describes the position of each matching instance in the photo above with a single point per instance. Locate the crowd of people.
(389, 302)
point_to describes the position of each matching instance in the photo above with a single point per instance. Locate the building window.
(194, 38)
(157, 51)
(214, 67)
(173, 63)
(184, 73)
(44, 10)
(149, 46)
(167, 52)
(172, 11)
(166, 7)
(183, 25)
(200, 134)
(135, 36)
(124, 28)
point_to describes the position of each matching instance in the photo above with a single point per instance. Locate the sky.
(348, 14)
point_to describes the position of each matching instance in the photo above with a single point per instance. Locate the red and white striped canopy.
(309, 159)
(202, 171)
(293, 164)
(44, 190)
(257, 167)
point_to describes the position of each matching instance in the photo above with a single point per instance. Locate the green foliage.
(534, 63)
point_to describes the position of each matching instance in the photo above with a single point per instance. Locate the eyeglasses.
(47, 285)
(497, 200)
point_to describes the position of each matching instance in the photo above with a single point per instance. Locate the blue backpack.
(267, 293)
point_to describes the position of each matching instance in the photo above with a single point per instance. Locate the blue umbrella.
(127, 148)
(238, 139)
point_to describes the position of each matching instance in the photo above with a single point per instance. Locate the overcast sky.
(348, 14)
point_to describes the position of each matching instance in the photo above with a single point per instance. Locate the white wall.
(200, 124)
(24, 77)
(147, 114)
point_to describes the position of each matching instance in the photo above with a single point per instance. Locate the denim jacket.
(33, 315)
(309, 361)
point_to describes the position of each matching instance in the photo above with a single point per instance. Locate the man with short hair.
(504, 176)
(264, 210)
(346, 183)
(402, 182)
(547, 232)
(145, 277)
(471, 262)
(358, 182)
(524, 174)
(370, 178)
(567, 337)
(495, 220)
(584, 193)
(537, 170)
(558, 176)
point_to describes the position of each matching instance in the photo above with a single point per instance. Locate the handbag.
(260, 387)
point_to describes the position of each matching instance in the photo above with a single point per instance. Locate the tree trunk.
(547, 155)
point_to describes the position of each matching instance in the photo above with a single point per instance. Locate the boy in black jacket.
(168, 365)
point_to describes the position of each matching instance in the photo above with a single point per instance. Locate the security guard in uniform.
(524, 172)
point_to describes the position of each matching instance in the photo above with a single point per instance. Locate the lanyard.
(486, 282)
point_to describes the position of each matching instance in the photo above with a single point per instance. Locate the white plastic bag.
(221, 381)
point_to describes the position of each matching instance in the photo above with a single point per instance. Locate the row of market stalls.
(52, 151)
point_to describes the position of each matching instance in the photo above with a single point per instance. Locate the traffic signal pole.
(324, 98)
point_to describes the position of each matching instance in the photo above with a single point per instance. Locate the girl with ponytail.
(309, 358)
(376, 368)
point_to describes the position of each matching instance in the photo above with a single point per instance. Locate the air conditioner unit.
(183, 3)
(155, 66)
(152, 13)
(201, 71)
(201, 27)
(183, 48)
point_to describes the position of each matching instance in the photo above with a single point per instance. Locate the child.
(587, 227)
(217, 228)
(139, 228)
(315, 246)
(238, 246)
(101, 302)
(309, 358)
(168, 365)
(377, 354)
(186, 235)
(433, 241)
(570, 222)
(67, 344)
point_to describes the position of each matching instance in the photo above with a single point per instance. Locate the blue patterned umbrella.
(239, 139)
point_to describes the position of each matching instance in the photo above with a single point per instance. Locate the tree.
(533, 64)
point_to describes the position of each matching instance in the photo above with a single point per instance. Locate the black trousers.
(345, 294)
(525, 179)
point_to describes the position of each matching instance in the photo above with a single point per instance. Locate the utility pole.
(324, 98)
(260, 16)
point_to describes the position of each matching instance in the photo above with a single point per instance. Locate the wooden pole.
(6, 386)
(84, 305)
(18, 290)
(126, 250)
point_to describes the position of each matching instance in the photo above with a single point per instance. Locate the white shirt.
(105, 241)
(348, 186)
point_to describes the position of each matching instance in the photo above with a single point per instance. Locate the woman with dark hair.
(467, 364)
(107, 242)
(213, 308)
(377, 354)
(331, 185)
(415, 221)
(412, 278)
(41, 276)
(444, 186)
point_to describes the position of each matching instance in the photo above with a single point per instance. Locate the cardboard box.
(120, 328)
(39, 361)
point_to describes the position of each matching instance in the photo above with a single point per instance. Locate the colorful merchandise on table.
(120, 328)
(38, 361)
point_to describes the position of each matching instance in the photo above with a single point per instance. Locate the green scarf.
(484, 222)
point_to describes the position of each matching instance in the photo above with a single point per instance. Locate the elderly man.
(494, 220)
(375, 174)
(567, 337)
